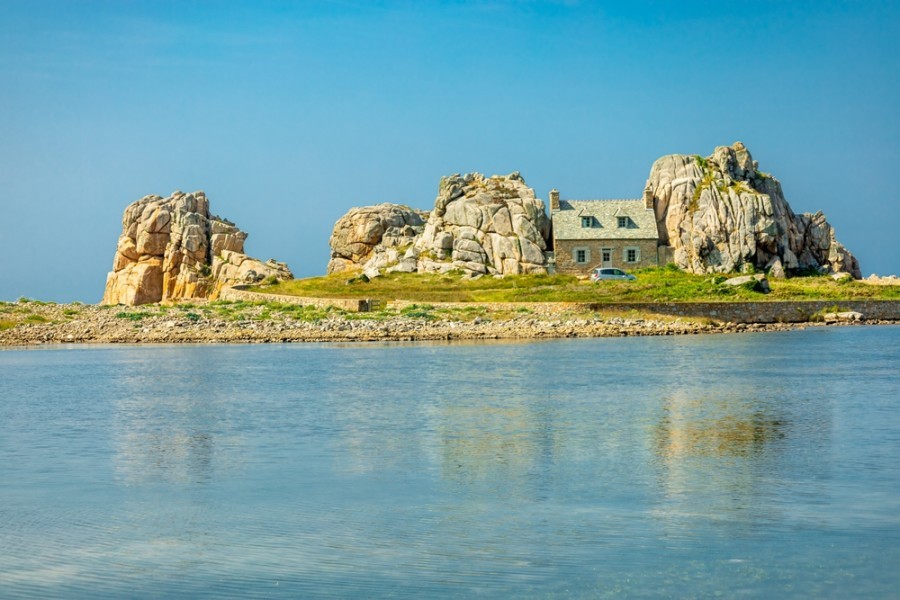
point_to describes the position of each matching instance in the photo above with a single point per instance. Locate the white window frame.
(637, 254)
(587, 222)
(587, 255)
(622, 222)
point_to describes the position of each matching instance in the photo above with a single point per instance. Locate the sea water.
(742, 465)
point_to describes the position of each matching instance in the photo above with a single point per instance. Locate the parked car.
(601, 273)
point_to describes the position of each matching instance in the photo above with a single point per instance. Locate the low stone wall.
(762, 312)
(726, 312)
(241, 293)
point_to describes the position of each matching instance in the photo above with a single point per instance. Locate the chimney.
(554, 199)
(648, 196)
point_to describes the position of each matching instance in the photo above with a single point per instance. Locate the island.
(712, 243)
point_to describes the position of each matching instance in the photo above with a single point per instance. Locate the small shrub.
(672, 268)
(418, 312)
(131, 316)
(35, 319)
(192, 316)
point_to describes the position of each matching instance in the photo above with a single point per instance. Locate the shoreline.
(197, 323)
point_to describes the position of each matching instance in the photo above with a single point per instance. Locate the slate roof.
(605, 213)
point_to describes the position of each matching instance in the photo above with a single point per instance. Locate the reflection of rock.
(189, 448)
(146, 454)
(722, 436)
(173, 248)
(481, 443)
(714, 450)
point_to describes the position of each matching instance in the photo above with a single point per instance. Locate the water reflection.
(438, 471)
(714, 428)
(715, 455)
(172, 424)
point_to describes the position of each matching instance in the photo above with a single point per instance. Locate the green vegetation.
(667, 284)
(36, 319)
(6, 324)
(418, 312)
(131, 316)
(266, 311)
(24, 300)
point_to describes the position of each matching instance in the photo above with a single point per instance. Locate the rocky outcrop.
(721, 213)
(479, 225)
(484, 225)
(379, 234)
(173, 248)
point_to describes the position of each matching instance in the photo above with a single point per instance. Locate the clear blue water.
(752, 465)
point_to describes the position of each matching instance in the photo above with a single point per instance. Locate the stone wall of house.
(565, 254)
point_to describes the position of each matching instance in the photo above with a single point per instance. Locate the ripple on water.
(759, 465)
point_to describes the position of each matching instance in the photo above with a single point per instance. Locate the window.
(632, 255)
(622, 221)
(582, 255)
(587, 221)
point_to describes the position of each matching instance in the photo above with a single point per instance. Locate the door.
(606, 257)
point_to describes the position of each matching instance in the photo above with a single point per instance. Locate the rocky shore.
(28, 323)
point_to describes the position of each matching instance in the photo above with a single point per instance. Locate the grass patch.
(36, 319)
(418, 312)
(667, 284)
(6, 324)
(131, 316)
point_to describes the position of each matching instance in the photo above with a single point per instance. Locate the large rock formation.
(721, 212)
(379, 234)
(479, 225)
(173, 248)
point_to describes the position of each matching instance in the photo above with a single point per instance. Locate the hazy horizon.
(287, 114)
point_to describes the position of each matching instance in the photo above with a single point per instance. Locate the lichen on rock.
(479, 225)
(378, 234)
(721, 212)
(173, 248)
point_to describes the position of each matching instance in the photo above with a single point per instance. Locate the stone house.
(604, 233)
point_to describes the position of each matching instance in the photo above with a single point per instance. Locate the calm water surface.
(755, 465)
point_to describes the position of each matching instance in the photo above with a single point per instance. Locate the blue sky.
(289, 113)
